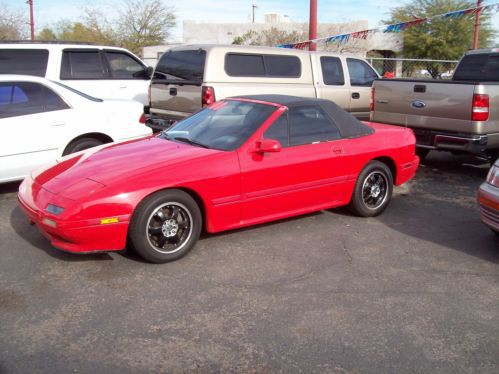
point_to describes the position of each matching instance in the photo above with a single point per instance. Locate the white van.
(104, 72)
(187, 78)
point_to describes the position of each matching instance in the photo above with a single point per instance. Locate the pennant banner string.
(394, 28)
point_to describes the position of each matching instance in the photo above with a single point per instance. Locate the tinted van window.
(258, 65)
(478, 67)
(181, 65)
(24, 61)
(82, 65)
(238, 65)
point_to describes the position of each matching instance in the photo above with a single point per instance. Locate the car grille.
(489, 216)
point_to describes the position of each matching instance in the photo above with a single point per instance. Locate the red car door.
(306, 174)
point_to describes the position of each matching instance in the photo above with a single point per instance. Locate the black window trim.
(264, 65)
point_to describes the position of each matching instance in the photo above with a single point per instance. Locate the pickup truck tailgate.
(441, 105)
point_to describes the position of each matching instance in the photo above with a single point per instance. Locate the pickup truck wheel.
(81, 144)
(165, 226)
(422, 152)
(373, 190)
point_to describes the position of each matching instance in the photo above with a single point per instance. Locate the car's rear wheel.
(81, 144)
(373, 190)
(165, 226)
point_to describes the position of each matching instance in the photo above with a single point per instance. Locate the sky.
(48, 12)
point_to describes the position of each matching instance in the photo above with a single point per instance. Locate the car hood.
(98, 167)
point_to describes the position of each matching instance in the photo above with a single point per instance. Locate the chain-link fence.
(413, 68)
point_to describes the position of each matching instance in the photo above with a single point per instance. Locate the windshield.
(88, 97)
(225, 125)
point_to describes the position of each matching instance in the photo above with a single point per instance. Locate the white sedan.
(41, 120)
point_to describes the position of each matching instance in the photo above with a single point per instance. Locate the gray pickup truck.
(460, 115)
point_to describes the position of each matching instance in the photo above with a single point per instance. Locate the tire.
(165, 226)
(422, 153)
(81, 144)
(373, 190)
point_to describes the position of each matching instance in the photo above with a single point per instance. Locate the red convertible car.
(239, 162)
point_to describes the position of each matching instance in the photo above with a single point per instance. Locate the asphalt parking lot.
(414, 290)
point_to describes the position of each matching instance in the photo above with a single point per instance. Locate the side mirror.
(146, 73)
(268, 145)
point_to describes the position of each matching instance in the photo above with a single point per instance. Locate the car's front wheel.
(165, 226)
(81, 144)
(373, 190)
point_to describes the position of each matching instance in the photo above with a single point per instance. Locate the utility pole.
(477, 25)
(253, 6)
(312, 32)
(31, 20)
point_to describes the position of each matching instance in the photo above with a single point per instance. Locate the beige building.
(386, 45)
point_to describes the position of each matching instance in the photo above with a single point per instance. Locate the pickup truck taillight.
(371, 104)
(480, 107)
(207, 96)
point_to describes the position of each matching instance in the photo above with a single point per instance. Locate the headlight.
(493, 176)
(54, 209)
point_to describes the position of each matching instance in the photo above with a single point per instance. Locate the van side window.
(82, 65)
(332, 71)
(361, 74)
(238, 65)
(24, 61)
(279, 130)
(282, 66)
(260, 65)
(309, 124)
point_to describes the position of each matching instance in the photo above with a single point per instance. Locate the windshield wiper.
(191, 141)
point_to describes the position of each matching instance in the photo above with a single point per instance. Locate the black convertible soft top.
(348, 125)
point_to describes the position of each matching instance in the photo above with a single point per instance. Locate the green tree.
(445, 39)
(47, 34)
(144, 22)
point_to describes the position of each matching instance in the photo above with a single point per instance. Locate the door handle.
(337, 150)
(57, 124)
(173, 91)
(123, 86)
(355, 95)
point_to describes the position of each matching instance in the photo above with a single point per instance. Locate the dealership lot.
(415, 289)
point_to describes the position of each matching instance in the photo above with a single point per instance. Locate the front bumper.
(488, 199)
(76, 236)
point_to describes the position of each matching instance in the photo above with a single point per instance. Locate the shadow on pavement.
(32, 235)
(441, 206)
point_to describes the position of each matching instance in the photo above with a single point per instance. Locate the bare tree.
(13, 25)
(144, 22)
